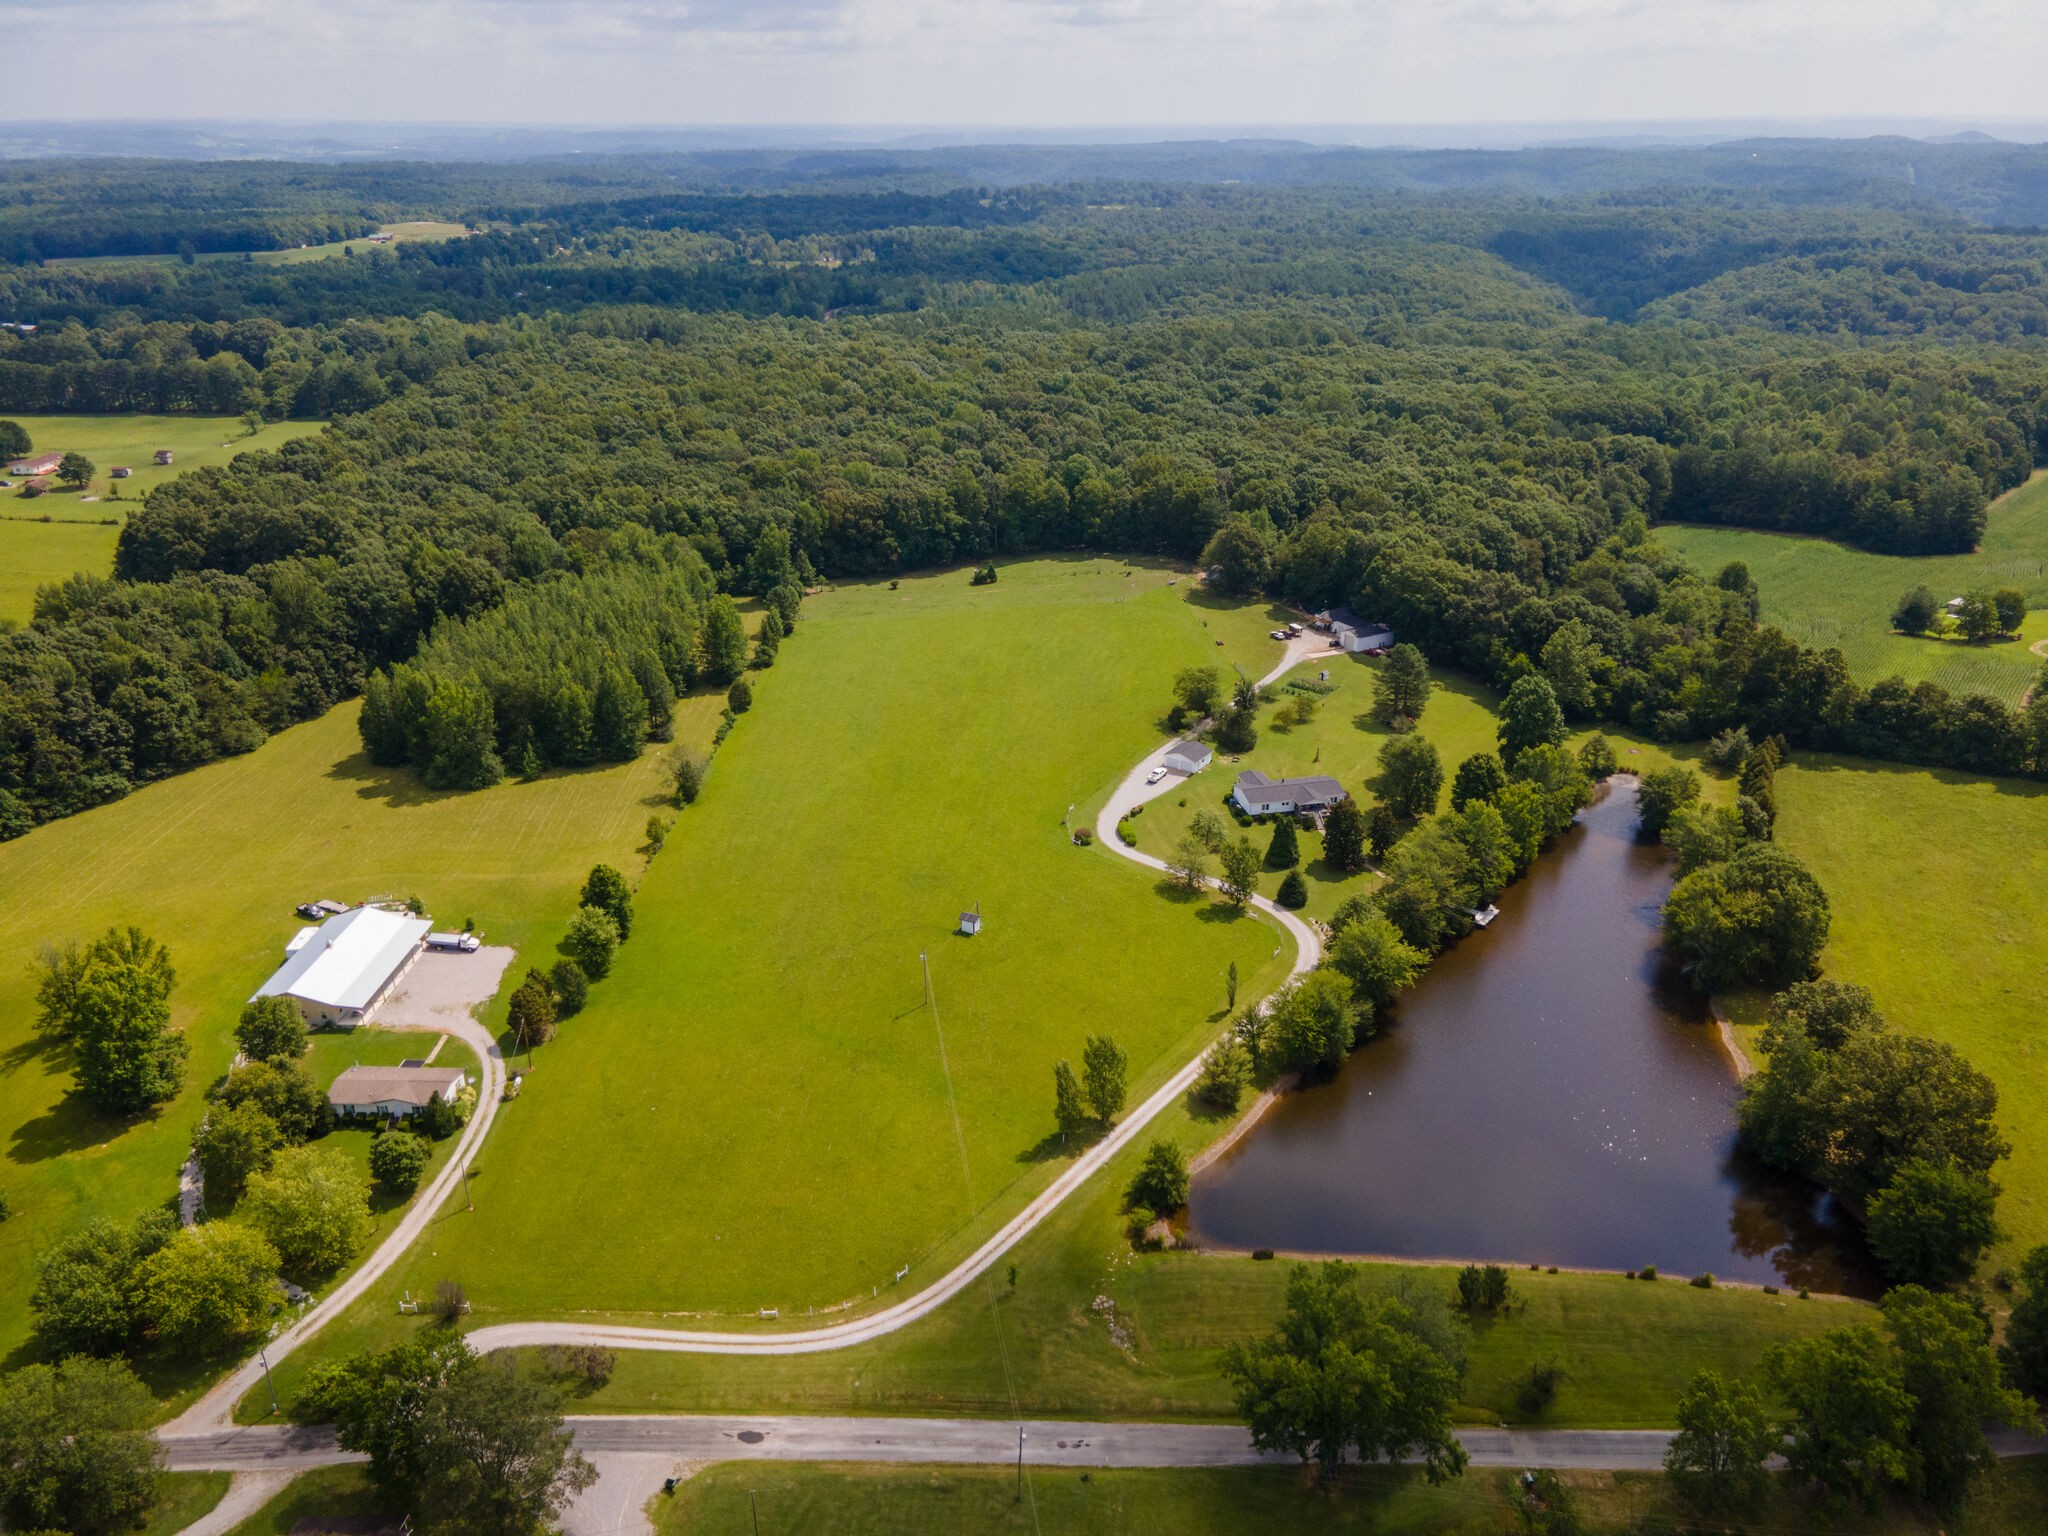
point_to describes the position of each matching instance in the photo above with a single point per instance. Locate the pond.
(1547, 1093)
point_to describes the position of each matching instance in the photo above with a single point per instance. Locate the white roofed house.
(1257, 795)
(338, 972)
(1351, 633)
(383, 1093)
(1189, 756)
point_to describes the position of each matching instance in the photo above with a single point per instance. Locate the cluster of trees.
(110, 1002)
(602, 922)
(76, 1451)
(1084, 1106)
(1902, 1127)
(1984, 615)
(464, 1441)
(1900, 1405)
(568, 672)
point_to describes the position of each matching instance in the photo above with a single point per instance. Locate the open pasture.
(1936, 883)
(1827, 595)
(760, 1109)
(212, 863)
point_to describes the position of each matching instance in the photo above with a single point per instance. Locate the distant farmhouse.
(1257, 795)
(338, 972)
(1188, 756)
(1351, 633)
(383, 1093)
(35, 464)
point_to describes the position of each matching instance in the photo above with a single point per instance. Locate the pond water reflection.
(1548, 1093)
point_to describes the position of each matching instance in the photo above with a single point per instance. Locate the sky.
(1026, 63)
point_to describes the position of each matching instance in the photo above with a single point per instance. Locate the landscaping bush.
(739, 698)
(689, 780)
(1293, 892)
(1484, 1288)
(1597, 757)
(1262, 1253)
(1538, 1389)
(1702, 1282)
(1647, 1272)
(984, 576)
(397, 1160)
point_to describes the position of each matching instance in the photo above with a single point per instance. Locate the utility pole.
(757, 1511)
(263, 1354)
(468, 1173)
(1020, 1463)
(926, 961)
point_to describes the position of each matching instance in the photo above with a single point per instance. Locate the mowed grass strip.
(212, 863)
(1827, 595)
(838, 1499)
(758, 1109)
(1937, 882)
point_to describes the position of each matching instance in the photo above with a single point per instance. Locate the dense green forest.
(1454, 391)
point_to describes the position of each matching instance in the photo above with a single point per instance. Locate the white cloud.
(1029, 62)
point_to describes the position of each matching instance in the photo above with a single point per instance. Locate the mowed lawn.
(212, 863)
(869, 1500)
(758, 1109)
(1828, 595)
(1939, 888)
(52, 537)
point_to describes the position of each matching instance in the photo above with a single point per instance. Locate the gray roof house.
(400, 1091)
(1189, 756)
(1258, 795)
(338, 972)
(1352, 633)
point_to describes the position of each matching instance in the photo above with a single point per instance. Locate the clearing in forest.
(758, 1108)
(212, 863)
(1828, 595)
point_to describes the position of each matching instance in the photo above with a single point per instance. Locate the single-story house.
(338, 972)
(1352, 633)
(383, 1092)
(163, 455)
(121, 472)
(1257, 795)
(1189, 756)
(35, 464)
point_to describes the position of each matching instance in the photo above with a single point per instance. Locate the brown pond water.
(1547, 1093)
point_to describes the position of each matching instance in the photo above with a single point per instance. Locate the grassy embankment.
(54, 536)
(212, 863)
(1039, 1347)
(1827, 595)
(186, 1497)
(843, 1500)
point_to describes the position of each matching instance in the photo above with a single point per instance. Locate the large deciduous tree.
(314, 1207)
(1400, 690)
(1411, 776)
(1716, 1460)
(1529, 717)
(1757, 918)
(1345, 1373)
(1104, 1067)
(76, 1451)
(208, 1287)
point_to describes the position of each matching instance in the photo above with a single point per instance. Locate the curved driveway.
(216, 1408)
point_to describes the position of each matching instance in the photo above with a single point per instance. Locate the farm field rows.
(1827, 595)
(57, 535)
(758, 1109)
(212, 863)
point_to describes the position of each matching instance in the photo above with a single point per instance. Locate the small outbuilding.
(1351, 633)
(385, 1093)
(1189, 756)
(970, 922)
(163, 456)
(121, 471)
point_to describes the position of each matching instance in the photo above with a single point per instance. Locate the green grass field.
(410, 229)
(1827, 595)
(212, 863)
(325, 1491)
(57, 535)
(1937, 882)
(758, 1109)
(842, 1500)
(186, 1496)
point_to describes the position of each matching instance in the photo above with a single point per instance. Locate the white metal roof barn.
(338, 974)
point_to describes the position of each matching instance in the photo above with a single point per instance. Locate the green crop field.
(867, 1500)
(212, 863)
(1936, 881)
(1826, 595)
(759, 1109)
(59, 534)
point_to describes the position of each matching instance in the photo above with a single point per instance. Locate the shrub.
(739, 698)
(1597, 757)
(1262, 1253)
(1162, 1179)
(397, 1159)
(1484, 1288)
(1647, 1272)
(1226, 1073)
(572, 987)
(689, 780)
(1293, 892)
(984, 576)
(592, 941)
(1084, 837)
(450, 1300)
(1538, 1389)
(1702, 1282)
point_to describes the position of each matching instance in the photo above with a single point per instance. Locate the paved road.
(218, 1405)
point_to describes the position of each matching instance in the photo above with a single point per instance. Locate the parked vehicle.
(1156, 775)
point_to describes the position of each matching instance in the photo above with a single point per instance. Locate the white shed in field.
(1189, 756)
